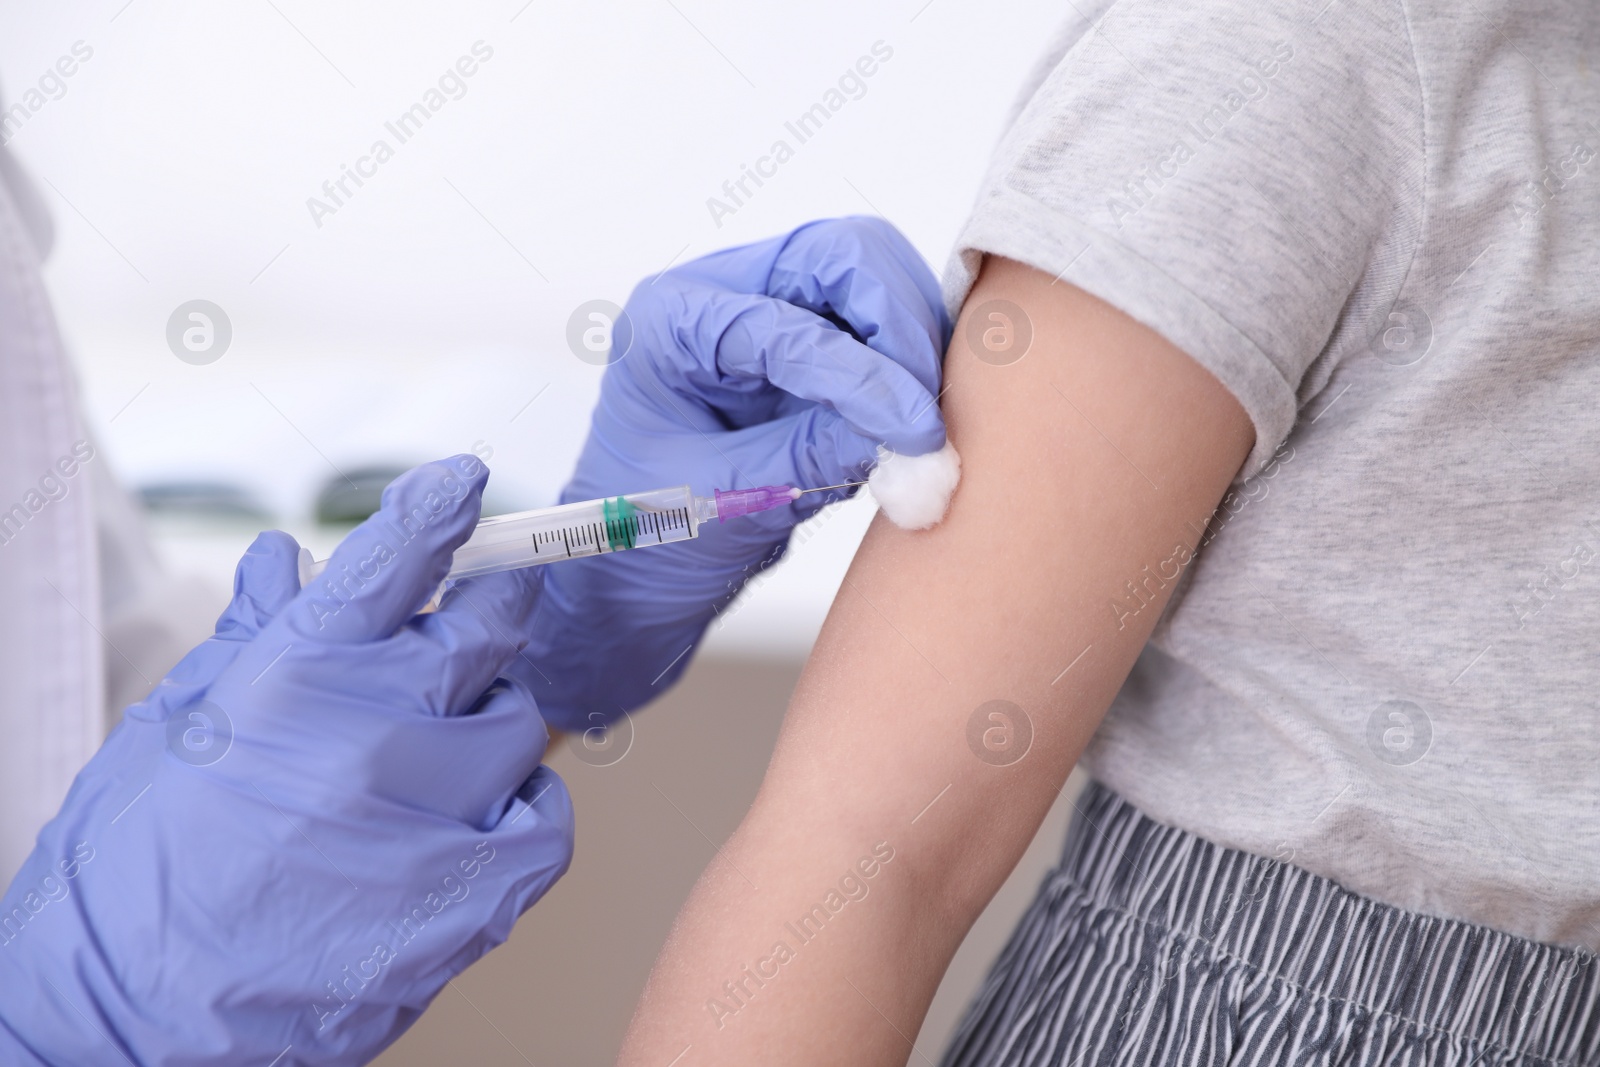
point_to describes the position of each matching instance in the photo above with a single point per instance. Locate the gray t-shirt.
(1378, 224)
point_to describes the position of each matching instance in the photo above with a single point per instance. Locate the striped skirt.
(1151, 946)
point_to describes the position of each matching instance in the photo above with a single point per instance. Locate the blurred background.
(195, 155)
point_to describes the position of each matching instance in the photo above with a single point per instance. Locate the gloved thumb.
(537, 829)
(809, 449)
(265, 582)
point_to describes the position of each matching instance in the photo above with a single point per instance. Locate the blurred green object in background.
(222, 500)
(346, 499)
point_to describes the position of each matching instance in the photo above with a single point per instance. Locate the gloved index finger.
(389, 566)
(805, 355)
(864, 271)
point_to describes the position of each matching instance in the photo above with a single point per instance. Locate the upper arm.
(1092, 462)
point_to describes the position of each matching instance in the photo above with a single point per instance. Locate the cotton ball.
(914, 491)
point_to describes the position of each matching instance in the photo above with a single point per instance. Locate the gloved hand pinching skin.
(785, 362)
(325, 812)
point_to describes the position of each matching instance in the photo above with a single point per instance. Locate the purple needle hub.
(734, 502)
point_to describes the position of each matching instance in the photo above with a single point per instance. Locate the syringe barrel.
(571, 531)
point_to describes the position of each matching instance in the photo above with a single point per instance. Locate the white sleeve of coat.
(51, 658)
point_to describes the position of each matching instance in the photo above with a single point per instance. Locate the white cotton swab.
(914, 491)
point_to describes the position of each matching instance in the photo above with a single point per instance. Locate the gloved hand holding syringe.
(789, 362)
(594, 527)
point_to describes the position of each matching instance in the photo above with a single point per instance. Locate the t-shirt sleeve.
(1246, 181)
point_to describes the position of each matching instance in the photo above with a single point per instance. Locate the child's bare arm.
(1099, 454)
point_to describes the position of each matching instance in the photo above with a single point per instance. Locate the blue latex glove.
(299, 874)
(785, 362)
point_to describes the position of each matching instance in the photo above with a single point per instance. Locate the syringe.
(596, 527)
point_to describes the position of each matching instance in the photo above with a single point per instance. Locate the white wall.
(182, 154)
